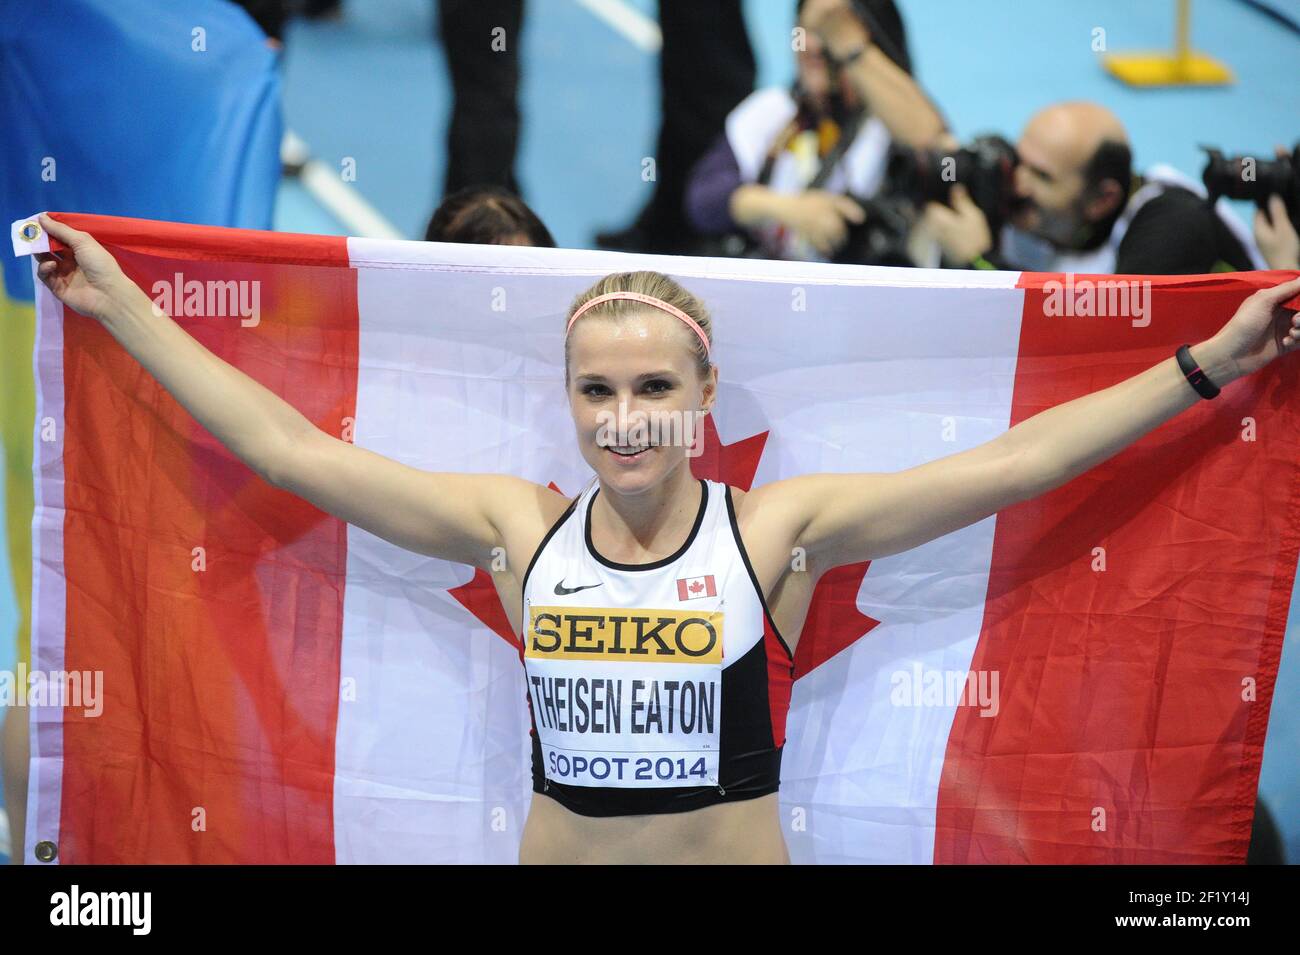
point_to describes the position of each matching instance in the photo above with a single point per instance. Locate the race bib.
(626, 698)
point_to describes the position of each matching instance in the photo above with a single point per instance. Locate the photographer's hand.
(890, 91)
(962, 231)
(822, 218)
(1276, 236)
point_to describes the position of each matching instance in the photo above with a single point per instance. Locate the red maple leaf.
(734, 464)
(833, 622)
(481, 599)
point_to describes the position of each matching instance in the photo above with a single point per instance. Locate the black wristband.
(1195, 377)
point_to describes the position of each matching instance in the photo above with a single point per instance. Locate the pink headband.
(644, 300)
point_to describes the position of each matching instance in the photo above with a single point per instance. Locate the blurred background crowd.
(858, 157)
(912, 133)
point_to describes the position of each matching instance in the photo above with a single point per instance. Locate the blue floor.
(373, 87)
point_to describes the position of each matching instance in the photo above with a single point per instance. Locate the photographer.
(1077, 206)
(774, 184)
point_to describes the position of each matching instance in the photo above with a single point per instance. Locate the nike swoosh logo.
(562, 590)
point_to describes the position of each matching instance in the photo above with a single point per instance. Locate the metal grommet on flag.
(46, 851)
(30, 231)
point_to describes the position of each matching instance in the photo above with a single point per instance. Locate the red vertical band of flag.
(1176, 640)
(220, 665)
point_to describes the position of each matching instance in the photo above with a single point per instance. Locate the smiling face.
(634, 383)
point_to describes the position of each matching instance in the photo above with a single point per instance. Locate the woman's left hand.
(1261, 329)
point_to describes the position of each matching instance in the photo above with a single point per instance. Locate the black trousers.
(484, 132)
(705, 70)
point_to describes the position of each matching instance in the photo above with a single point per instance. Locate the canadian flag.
(326, 696)
(688, 588)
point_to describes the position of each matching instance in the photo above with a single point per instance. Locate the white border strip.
(518, 259)
(49, 586)
(395, 252)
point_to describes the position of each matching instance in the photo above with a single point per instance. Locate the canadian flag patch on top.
(690, 587)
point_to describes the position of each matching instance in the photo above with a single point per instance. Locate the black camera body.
(881, 238)
(985, 167)
(914, 177)
(1254, 178)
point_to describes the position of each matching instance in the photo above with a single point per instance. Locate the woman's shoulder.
(776, 505)
(527, 511)
(744, 501)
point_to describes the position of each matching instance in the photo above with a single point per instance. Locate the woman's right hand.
(84, 276)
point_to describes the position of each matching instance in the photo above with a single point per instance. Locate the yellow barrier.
(1182, 67)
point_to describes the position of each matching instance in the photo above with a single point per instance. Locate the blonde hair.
(654, 284)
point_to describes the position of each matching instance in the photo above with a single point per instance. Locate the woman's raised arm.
(846, 518)
(453, 516)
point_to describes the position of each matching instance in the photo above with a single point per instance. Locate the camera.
(914, 177)
(985, 167)
(881, 238)
(1255, 178)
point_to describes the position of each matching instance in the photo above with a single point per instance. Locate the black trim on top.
(661, 562)
(744, 556)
